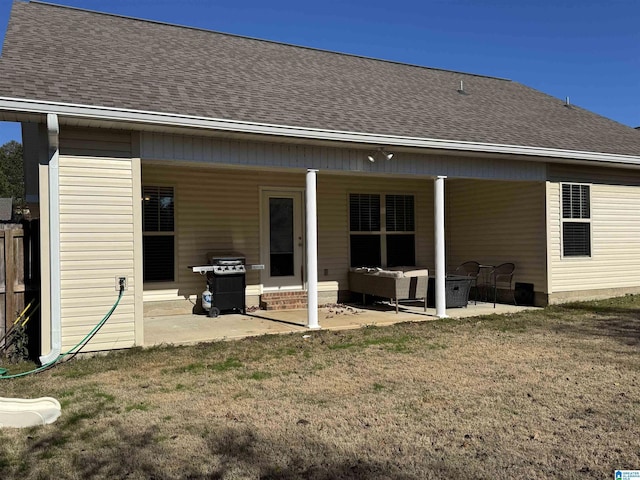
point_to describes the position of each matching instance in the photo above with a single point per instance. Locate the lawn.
(553, 393)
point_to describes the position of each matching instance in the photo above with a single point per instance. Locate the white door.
(281, 239)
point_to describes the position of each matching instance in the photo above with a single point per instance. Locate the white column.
(312, 251)
(440, 293)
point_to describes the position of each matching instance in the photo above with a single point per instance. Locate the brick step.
(283, 301)
(290, 306)
(283, 295)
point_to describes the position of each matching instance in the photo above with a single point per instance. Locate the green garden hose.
(77, 347)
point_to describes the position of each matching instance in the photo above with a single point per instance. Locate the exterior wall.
(219, 208)
(614, 266)
(99, 237)
(493, 222)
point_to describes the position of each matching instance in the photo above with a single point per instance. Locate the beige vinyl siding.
(615, 239)
(219, 209)
(97, 237)
(493, 222)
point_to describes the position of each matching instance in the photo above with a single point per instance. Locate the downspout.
(53, 130)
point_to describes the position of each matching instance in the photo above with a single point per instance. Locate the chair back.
(504, 273)
(468, 269)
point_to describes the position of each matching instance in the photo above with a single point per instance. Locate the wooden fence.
(12, 281)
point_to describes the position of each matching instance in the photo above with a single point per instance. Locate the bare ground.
(547, 394)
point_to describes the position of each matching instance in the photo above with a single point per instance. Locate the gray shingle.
(67, 55)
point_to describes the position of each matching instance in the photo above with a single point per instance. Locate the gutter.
(53, 130)
(237, 126)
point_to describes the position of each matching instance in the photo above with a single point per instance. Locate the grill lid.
(217, 257)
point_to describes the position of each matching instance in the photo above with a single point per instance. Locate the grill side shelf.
(201, 268)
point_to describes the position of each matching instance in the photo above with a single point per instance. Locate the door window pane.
(281, 241)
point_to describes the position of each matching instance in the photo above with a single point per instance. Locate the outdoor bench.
(394, 283)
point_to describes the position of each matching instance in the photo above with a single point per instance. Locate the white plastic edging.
(22, 412)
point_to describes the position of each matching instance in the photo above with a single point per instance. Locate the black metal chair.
(470, 269)
(502, 278)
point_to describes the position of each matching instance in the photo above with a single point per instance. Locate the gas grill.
(226, 280)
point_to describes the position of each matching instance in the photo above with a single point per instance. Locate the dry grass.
(548, 394)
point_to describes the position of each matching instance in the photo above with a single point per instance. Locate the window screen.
(364, 212)
(389, 241)
(399, 213)
(576, 239)
(575, 201)
(157, 210)
(365, 251)
(576, 220)
(158, 243)
(158, 258)
(401, 250)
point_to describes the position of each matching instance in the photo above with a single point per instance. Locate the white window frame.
(382, 233)
(564, 220)
(162, 233)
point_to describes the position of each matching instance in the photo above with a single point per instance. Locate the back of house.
(149, 146)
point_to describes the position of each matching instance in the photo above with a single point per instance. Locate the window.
(576, 220)
(158, 237)
(382, 230)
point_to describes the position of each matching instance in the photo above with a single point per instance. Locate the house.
(148, 145)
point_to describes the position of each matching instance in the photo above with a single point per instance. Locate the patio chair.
(470, 269)
(502, 277)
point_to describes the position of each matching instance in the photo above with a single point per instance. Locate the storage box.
(456, 291)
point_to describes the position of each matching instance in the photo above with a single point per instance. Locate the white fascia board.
(238, 126)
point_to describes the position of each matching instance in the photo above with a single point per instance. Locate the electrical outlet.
(121, 282)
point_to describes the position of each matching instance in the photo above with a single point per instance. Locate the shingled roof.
(63, 54)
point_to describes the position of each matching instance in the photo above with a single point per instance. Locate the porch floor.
(191, 328)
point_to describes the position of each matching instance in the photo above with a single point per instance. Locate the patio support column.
(440, 293)
(312, 250)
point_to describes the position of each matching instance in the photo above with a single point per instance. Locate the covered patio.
(191, 328)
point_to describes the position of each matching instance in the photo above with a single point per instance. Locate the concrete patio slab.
(190, 328)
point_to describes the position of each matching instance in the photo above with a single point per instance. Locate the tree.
(12, 172)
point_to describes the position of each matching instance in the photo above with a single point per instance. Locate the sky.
(587, 50)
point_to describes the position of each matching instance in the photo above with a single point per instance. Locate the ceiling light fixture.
(380, 151)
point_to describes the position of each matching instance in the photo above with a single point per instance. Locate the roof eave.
(31, 106)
